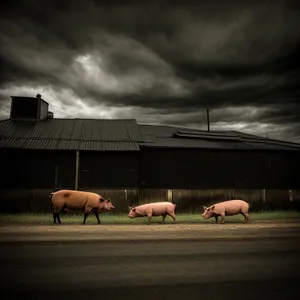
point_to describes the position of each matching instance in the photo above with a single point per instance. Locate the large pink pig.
(70, 200)
(227, 208)
(153, 209)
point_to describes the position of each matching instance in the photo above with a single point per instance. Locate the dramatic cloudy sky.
(157, 63)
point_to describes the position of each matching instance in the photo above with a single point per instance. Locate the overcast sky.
(159, 64)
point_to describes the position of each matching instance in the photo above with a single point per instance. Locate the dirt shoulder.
(103, 232)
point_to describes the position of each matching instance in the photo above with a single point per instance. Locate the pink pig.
(153, 209)
(227, 208)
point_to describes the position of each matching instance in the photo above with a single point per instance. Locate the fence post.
(291, 195)
(170, 195)
(264, 198)
(56, 175)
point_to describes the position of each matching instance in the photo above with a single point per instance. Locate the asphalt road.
(178, 269)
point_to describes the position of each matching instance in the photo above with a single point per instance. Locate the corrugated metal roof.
(67, 145)
(124, 135)
(178, 137)
(191, 143)
(209, 144)
(71, 134)
(72, 129)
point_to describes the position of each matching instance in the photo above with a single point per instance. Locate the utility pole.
(76, 170)
(207, 115)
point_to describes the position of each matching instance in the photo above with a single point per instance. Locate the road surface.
(183, 268)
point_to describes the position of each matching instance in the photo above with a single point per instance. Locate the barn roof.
(71, 134)
(124, 135)
(179, 137)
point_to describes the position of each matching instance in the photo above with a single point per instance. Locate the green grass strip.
(121, 218)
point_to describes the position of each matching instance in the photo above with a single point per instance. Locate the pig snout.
(110, 207)
(207, 214)
(106, 205)
(132, 213)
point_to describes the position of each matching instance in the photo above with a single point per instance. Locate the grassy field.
(108, 218)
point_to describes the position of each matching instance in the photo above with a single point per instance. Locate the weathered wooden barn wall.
(260, 199)
(187, 177)
(152, 195)
(109, 169)
(194, 200)
(28, 177)
(215, 169)
(37, 200)
(121, 198)
(37, 169)
(20, 200)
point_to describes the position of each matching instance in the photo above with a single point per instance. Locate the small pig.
(70, 200)
(153, 209)
(227, 208)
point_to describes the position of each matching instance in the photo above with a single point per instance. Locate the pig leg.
(216, 217)
(85, 216)
(54, 218)
(97, 216)
(163, 217)
(172, 215)
(246, 216)
(149, 215)
(58, 218)
(86, 213)
(223, 217)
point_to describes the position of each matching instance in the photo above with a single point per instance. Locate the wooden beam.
(76, 170)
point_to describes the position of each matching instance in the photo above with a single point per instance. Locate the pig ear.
(204, 207)
(130, 207)
(212, 208)
(133, 209)
(108, 200)
(101, 199)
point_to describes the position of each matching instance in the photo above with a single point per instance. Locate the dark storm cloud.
(157, 62)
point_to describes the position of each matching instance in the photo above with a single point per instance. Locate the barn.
(134, 163)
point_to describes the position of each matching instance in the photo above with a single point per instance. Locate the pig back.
(230, 207)
(73, 199)
(156, 208)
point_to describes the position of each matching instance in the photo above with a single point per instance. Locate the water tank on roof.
(28, 108)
